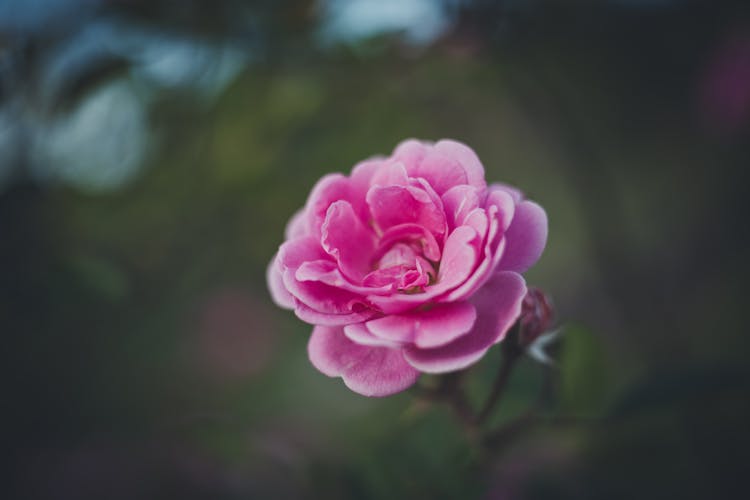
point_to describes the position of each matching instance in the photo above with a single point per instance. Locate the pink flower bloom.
(410, 264)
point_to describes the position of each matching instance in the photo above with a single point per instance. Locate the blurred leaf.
(100, 275)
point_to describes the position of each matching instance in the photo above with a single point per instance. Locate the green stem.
(510, 354)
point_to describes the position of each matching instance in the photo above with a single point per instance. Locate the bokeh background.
(151, 153)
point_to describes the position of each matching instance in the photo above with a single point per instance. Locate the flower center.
(403, 266)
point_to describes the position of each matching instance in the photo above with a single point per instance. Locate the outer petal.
(390, 173)
(432, 328)
(466, 157)
(526, 238)
(370, 371)
(293, 253)
(297, 226)
(411, 151)
(362, 173)
(514, 192)
(279, 293)
(332, 188)
(442, 172)
(321, 297)
(498, 306)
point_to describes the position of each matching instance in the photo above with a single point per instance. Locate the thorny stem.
(450, 391)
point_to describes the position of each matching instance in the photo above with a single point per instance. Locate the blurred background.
(151, 153)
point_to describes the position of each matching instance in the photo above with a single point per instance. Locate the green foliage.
(586, 371)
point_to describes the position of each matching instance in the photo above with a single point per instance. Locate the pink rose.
(411, 264)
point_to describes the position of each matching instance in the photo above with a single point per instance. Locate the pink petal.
(458, 202)
(422, 185)
(293, 253)
(337, 187)
(432, 328)
(370, 371)
(466, 157)
(391, 173)
(359, 334)
(331, 353)
(458, 262)
(498, 306)
(394, 205)
(297, 226)
(505, 203)
(526, 237)
(441, 171)
(348, 240)
(500, 209)
(514, 192)
(479, 221)
(362, 173)
(459, 257)
(279, 293)
(328, 272)
(326, 300)
(443, 324)
(409, 232)
(330, 188)
(309, 315)
(411, 151)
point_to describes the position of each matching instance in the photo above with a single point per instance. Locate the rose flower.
(410, 264)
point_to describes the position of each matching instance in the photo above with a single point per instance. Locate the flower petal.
(328, 189)
(459, 257)
(411, 151)
(443, 324)
(466, 157)
(370, 371)
(526, 237)
(328, 272)
(498, 305)
(359, 334)
(441, 171)
(362, 173)
(458, 262)
(293, 253)
(332, 305)
(432, 328)
(309, 315)
(345, 238)
(279, 293)
(514, 192)
(297, 226)
(394, 205)
(409, 232)
(459, 201)
(391, 173)
(500, 210)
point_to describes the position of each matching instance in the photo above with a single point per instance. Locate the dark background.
(152, 151)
